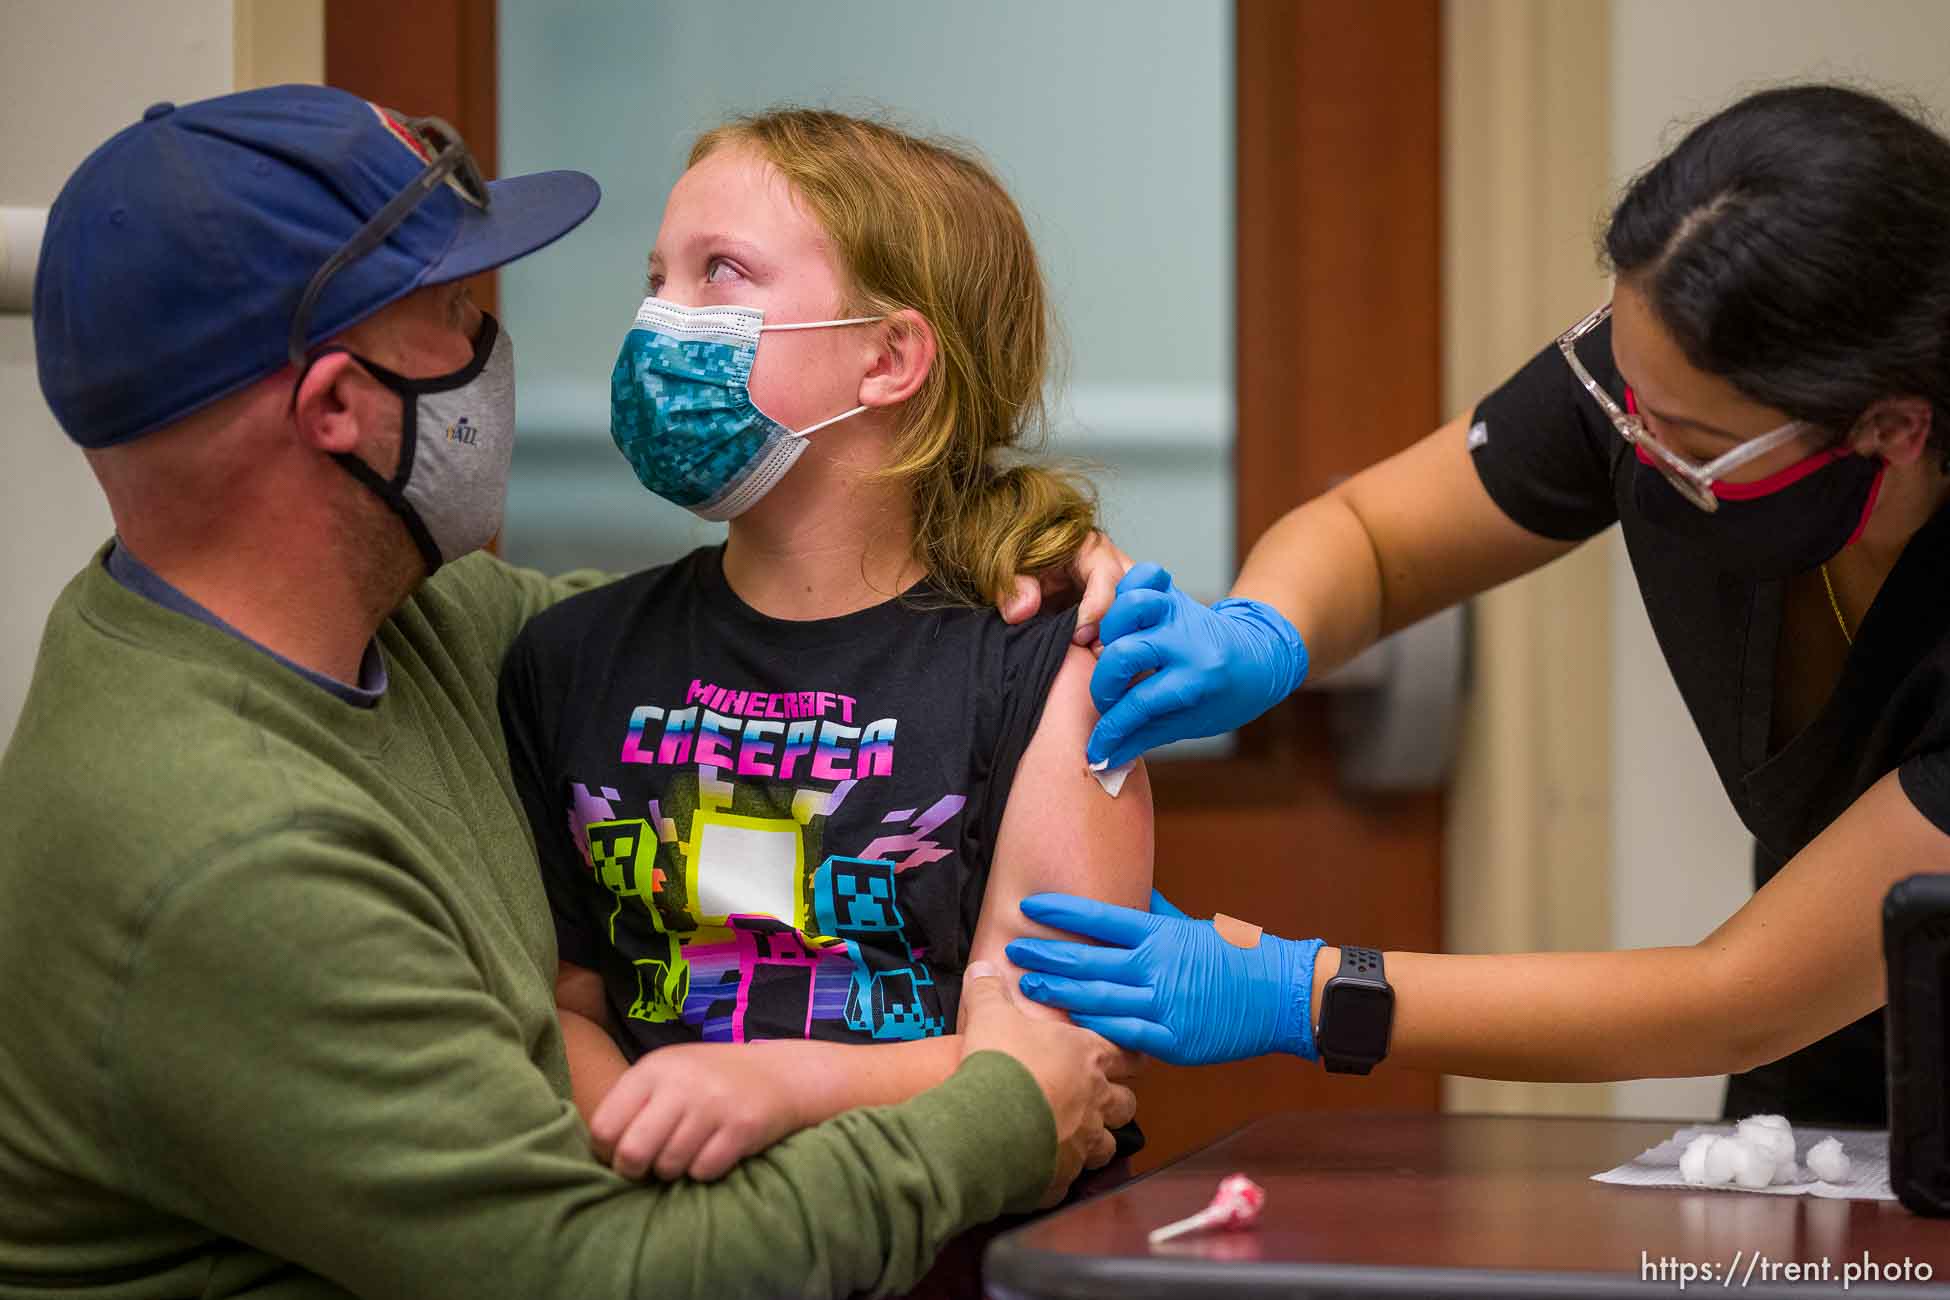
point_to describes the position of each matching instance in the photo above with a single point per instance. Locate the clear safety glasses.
(1692, 479)
(449, 163)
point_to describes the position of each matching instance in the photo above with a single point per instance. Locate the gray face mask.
(457, 439)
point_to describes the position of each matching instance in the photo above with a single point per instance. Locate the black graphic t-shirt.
(755, 828)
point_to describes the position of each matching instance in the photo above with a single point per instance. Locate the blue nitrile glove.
(1170, 986)
(1212, 669)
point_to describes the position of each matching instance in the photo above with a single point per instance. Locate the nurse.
(1763, 408)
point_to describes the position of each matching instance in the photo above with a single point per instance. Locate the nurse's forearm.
(1317, 567)
(1797, 962)
(1564, 1017)
(1402, 539)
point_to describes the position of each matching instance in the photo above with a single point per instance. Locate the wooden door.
(430, 57)
(1338, 174)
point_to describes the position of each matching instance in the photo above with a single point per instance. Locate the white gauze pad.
(1111, 778)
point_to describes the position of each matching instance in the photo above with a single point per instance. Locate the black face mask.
(1785, 524)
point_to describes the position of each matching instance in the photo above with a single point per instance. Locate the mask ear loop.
(823, 324)
(393, 491)
(820, 325)
(815, 428)
(1868, 508)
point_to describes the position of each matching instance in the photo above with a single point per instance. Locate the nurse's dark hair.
(1797, 244)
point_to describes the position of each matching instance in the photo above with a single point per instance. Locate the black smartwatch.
(1357, 1011)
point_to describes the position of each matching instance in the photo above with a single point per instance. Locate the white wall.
(1526, 163)
(1680, 855)
(72, 73)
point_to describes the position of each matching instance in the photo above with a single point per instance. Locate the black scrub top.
(1552, 461)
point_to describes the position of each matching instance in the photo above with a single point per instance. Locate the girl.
(786, 789)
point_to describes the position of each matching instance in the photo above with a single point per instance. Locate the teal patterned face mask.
(682, 414)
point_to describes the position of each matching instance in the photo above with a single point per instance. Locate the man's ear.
(1897, 429)
(906, 354)
(330, 405)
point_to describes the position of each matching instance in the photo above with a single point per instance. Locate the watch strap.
(1361, 963)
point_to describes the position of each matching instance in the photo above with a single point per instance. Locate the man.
(275, 965)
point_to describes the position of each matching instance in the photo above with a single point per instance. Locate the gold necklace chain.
(1836, 606)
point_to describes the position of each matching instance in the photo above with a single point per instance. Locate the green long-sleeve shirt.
(276, 1010)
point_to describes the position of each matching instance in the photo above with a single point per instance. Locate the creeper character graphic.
(713, 860)
(892, 994)
(623, 856)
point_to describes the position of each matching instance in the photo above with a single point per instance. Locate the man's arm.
(307, 1061)
(496, 599)
(694, 1110)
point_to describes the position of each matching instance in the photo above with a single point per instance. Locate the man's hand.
(1096, 570)
(1082, 1076)
(693, 1110)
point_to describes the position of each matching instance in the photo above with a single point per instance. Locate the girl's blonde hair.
(923, 225)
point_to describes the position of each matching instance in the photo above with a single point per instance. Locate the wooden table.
(1424, 1205)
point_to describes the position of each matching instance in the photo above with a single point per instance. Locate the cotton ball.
(1770, 1135)
(1788, 1173)
(1752, 1166)
(1720, 1160)
(1829, 1162)
(1692, 1164)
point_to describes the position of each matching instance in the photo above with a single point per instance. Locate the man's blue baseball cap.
(177, 253)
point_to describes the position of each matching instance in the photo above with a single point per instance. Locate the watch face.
(1359, 1021)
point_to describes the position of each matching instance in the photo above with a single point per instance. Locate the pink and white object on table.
(1236, 1204)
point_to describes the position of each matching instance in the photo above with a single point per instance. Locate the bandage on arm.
(1238, 933)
